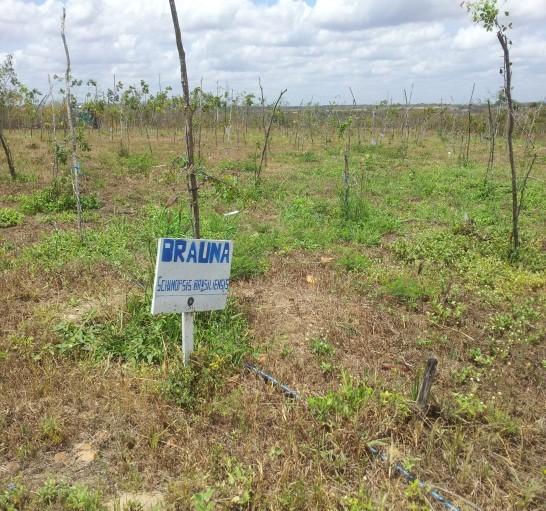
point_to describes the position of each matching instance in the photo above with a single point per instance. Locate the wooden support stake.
(187, 336)
(426, 384)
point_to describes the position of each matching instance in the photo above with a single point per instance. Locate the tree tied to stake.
(188, 116)
(70, 119)
(486, 14)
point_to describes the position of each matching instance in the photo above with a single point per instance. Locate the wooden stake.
(187, 336)
(426, 384)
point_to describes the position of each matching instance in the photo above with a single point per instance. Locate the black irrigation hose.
(376, 453)
(285, 389)
(409, 477)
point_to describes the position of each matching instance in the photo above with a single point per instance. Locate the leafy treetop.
(486, 13)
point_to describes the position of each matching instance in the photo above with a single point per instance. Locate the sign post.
(191, 276)
(187, 336)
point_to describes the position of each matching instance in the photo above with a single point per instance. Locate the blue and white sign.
(191, 275)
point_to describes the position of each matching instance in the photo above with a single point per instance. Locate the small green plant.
(238, 482)
(417, 496)
(397, 401)
(518, 325)
(14, 497)
(450, 313)
(502, 422)
(410, 462)
(51, 430)
(326, 367)
(354, 261)
(322, 347)
(204, 501)
(465, 375)
(407, 289)
(286, 351)
(50, 492)
(359, 502)
(133, 505)
(468, 406)
(309, 157)
(345, 402)
(424, 342)
(10, 217)
(81, 498)
(25, 450)
(480, 358)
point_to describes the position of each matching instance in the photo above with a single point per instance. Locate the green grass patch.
(248, 165)
(310, 223)
(346, 402)
(136, 337)
(54, 198)
(352, 260)
(51, 495)
(117, 244)
(10, 217)
(322, 347)
(407, 289)
(308, 157)
(139, 163)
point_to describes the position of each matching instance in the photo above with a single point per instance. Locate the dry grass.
(255, 449)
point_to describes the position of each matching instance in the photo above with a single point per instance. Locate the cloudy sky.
(315, 48)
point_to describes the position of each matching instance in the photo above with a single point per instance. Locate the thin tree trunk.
(509, 133)
(355, 111)
(200, 119)
(54, 131)
(346, 182)
(9, 157)
(492, 135)
(267, 134)
(75, 161)
(469, 123)
(190, 169)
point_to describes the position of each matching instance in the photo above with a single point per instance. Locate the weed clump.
(10, 217)
(52, 494)
(139, 164)
(345, 402)
(407, 289)
(222, 342)
(55, 198)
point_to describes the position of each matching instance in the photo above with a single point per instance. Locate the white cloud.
(376, 47)
(471, 37)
